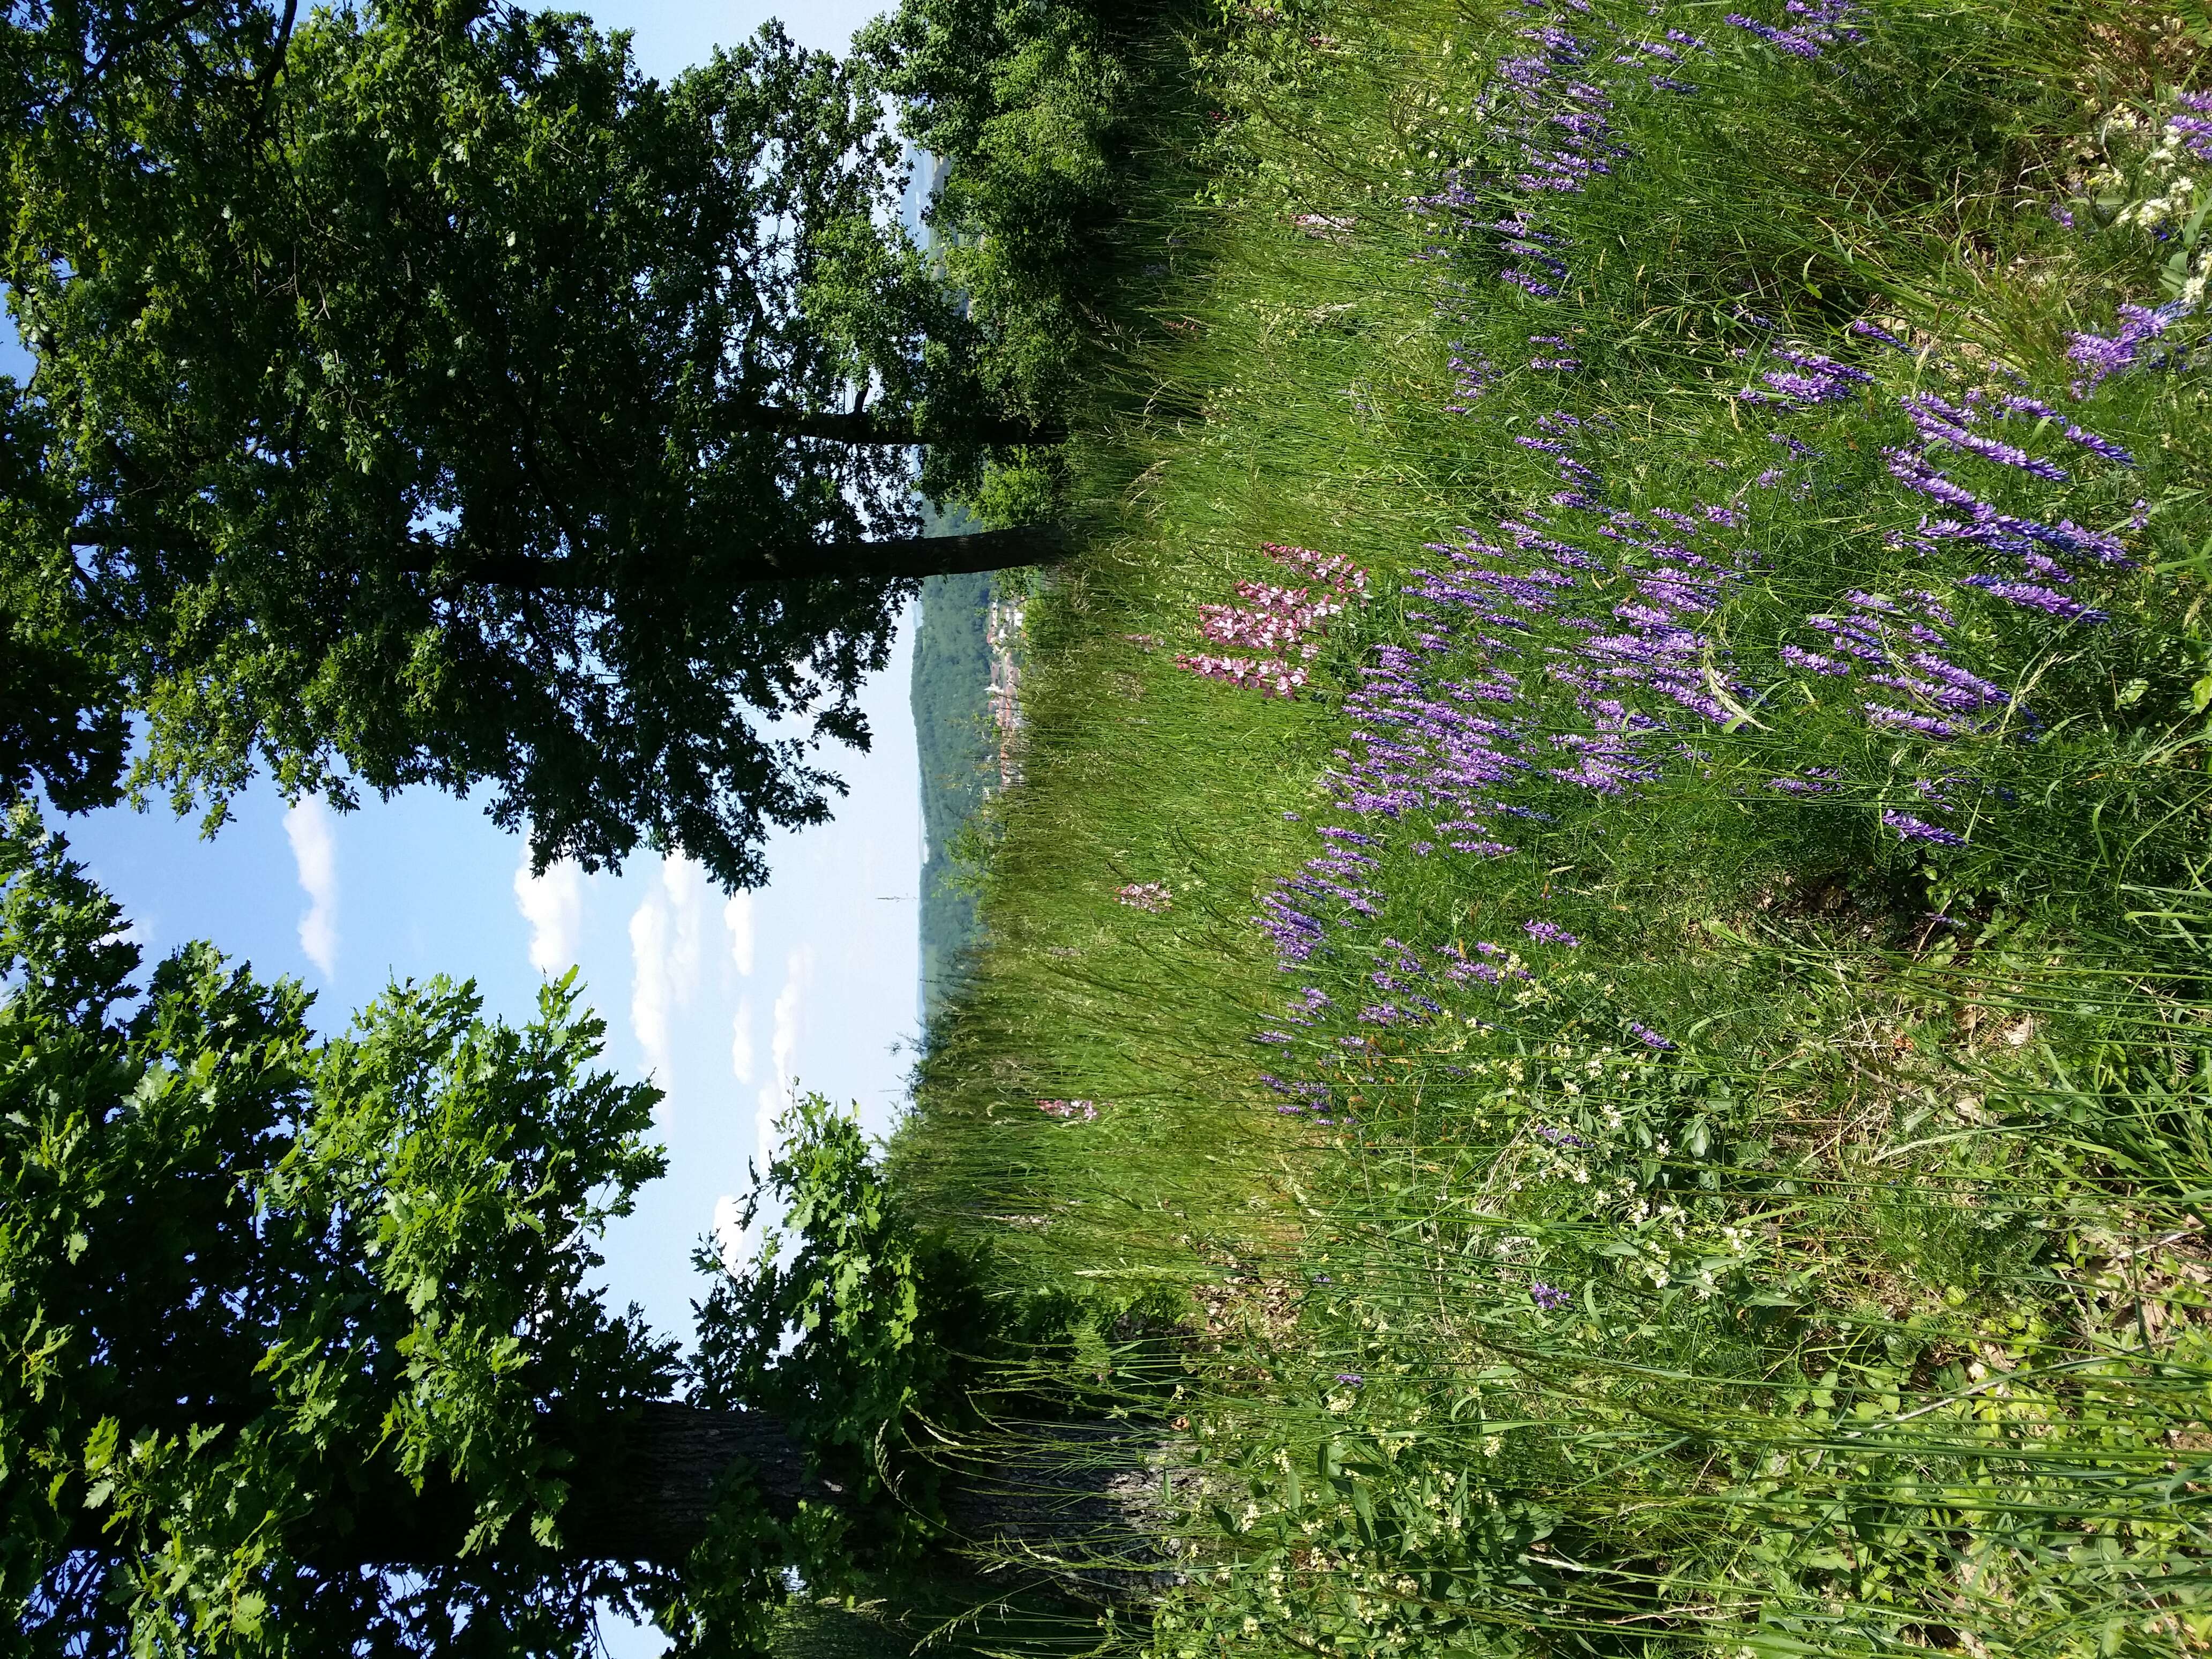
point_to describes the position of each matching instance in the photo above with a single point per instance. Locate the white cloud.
(786, 1022)
(686, 884)
(651, 992)
(767, 1105)
(741, 1040)
(553, 905)
(783, 1043)
(308, 826)
(737, 918)
(665, 941)
(729, 1232)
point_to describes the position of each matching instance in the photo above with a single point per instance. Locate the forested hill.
(956, 751)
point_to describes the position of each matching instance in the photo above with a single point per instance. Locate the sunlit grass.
(1810, 1258)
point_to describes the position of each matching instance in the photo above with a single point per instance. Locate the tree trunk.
(900, 558)
(1080, 1502)
(1083, 1502)
(922, 555)
(1090, 1505)
(644, 1490)
(864, 429)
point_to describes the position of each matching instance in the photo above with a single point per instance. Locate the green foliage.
(424, 395)
(277, 1309)
(1048, 119)
(60, 722)
(851, 1329)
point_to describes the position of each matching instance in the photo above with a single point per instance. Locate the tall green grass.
(1874, 1312)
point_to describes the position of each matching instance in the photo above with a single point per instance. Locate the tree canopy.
(270, 1302)
(424, 395)
(299, 1349)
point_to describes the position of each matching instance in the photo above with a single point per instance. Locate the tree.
(298, 1349)
(424, 395)
(1048, 116)
(60, 723)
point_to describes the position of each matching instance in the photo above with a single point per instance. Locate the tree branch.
(894, 559)
(1079, 1500)
(266, 81)
(861, 428)
(915, 556)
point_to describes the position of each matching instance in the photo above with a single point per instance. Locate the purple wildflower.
(1910, 468)
(1913, 828)
(1873, 331)
(1549, 1297)
(1813, 780)
(2089, 441)
(1545, 932)
(2194, 131)
(1944, 422)
(2035, 597)
(1904, 720)
(1797, 657)
(2098, 356)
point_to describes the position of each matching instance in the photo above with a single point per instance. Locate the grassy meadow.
(1639, 988)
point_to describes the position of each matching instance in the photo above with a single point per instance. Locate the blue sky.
(671, 35)
(721, 1002)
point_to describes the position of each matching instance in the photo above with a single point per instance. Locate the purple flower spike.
(1872, 332)
(1904, 720)
(1648, 1036)
(2098, 355)
(1798, 658)
(1549, 1297)
(1815, 780)
(1913, 828)
(2036, 598)
(1545, 932)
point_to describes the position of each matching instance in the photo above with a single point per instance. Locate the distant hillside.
(958, 751)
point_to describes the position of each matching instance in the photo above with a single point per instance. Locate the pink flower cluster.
(1145, 895)
(1271, 619)
(1081, 1110)
(1271, 677)
(1332, 569)
(1284, 621)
